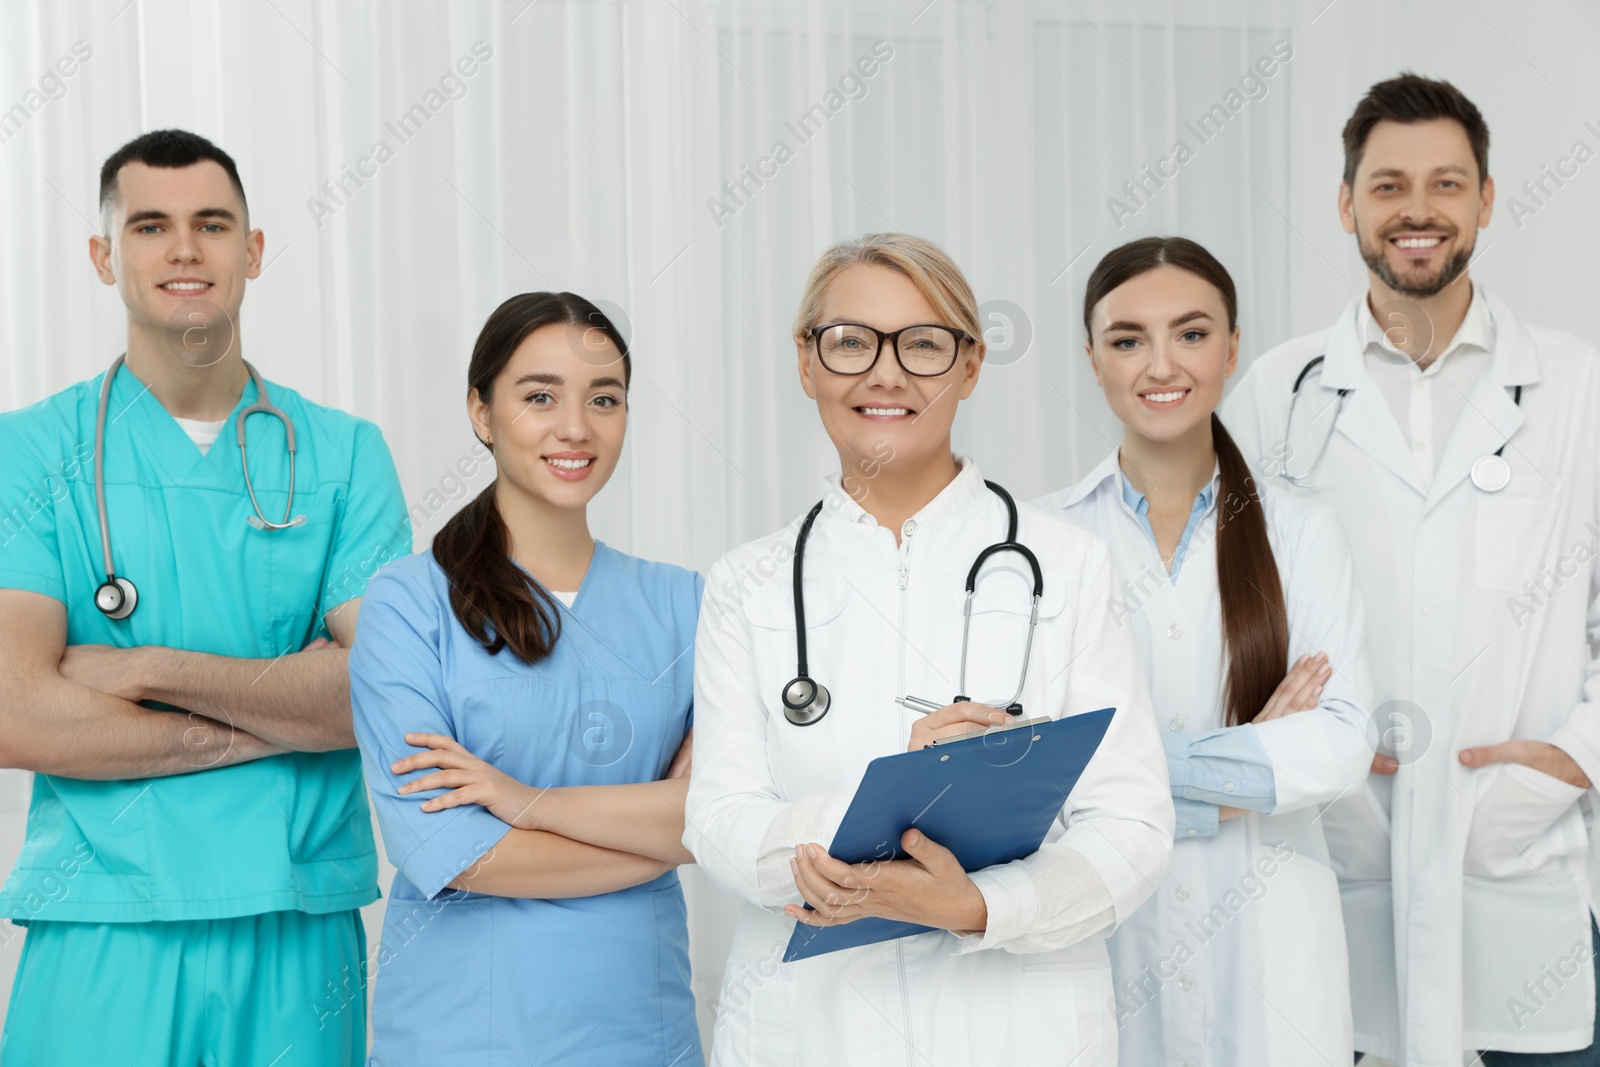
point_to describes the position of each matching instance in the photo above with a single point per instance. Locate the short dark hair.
(1412, 98)
(165, 148)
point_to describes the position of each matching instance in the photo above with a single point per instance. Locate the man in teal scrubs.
(198, 840)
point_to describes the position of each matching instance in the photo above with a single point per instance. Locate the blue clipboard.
(988, 799)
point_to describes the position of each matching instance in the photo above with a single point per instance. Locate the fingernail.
(395, 766)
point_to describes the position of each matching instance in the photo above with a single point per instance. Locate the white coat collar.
(1106, 471)
(965, 489)
(1476, 329)
(1109, 472)
(1369, 424)
(1514, 359)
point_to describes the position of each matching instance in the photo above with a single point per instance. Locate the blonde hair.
(930, 269)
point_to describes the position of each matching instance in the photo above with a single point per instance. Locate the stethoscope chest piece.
(1491, 473)
(116, 598)
(805, 701)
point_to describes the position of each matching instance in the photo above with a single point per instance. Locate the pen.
(917, 704)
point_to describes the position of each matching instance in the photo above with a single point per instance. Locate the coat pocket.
(1519, 823)
(1515, 533)
(1076, 995)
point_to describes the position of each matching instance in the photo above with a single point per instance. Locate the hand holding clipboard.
(988, 798)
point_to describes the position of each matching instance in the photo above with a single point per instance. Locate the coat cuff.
(812, 819)
(1013, 903)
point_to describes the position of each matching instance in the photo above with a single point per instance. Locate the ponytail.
(496, 601)
(1255, 628)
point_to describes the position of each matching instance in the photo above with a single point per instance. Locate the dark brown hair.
(497, 601)
(1255, 629)
(165, 148)
(1411, 98)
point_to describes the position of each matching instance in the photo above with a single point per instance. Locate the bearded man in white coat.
(1461, 447)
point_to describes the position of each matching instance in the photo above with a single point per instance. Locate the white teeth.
(886, 411)
(1165, 398)
(186, 286)
(1418, 242)
(569, 464)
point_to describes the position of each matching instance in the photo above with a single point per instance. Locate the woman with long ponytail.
(1251, 631)
(522, 697)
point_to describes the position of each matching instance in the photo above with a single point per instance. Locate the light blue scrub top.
(286, 832)
(464, 978)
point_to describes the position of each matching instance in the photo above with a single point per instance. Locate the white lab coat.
(883, 621)
(1239, 958)
(1457, 924)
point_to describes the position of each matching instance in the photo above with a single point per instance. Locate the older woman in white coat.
(1252, 636)
(1015, 970)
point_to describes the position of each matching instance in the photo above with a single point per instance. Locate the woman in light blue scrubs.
(536, 916)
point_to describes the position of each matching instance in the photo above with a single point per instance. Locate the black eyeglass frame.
(961, 336)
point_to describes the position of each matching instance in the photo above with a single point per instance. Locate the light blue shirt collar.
(1139, 505)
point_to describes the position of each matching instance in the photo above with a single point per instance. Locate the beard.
(1379, 265)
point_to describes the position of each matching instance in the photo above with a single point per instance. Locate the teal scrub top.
(470, 979)
(286, 832)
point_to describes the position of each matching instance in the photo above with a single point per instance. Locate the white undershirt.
(565, 598)
(203, 434)
(1428, 403)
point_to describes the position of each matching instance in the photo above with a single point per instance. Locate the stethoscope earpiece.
(116, 598)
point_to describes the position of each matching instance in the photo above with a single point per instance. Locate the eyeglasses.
(925, 351)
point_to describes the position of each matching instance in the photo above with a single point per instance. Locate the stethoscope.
(806, 701)
(116, 597)
(1490, 473)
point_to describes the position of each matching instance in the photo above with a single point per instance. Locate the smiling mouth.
(1417, 245)
(1165, 397)
(875, 411)
(185, 287)
(569, 464)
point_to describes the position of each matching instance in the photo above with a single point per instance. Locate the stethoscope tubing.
(263, 405)
(802, 710)
(1480, 466)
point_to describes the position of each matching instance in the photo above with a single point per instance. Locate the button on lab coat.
(1239, 958)
(882, 621)
(1463, 888)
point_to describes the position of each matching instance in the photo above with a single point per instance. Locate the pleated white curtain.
(684, 161)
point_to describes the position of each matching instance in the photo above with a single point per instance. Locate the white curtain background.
(589, 148)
